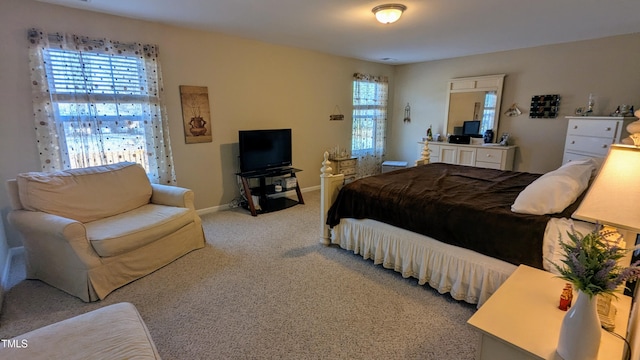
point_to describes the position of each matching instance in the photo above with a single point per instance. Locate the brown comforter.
(460, 205)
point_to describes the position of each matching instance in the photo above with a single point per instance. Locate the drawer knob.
(608, 129)
(573, 142)
(488, 155)
(575, 126)
(604, 146)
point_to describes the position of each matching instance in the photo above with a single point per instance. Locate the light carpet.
(264, 288)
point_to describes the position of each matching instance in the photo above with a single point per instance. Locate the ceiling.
(428, 30)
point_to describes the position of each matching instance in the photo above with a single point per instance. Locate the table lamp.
(614, 197)
(614, 200)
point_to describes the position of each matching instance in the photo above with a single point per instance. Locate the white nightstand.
(521, 320)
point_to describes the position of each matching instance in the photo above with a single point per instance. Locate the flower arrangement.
(591, 262)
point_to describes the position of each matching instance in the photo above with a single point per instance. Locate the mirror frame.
(473, 84)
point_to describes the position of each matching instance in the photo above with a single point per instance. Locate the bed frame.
(329, 187)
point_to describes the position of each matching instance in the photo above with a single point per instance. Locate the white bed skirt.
(465, 274)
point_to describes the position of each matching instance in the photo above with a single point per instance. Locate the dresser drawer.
(435, 149)
(347, 163)
(569, 156)
(594, 145)
(488, 165)
(348, 171)
(489, 156)
(598, 128)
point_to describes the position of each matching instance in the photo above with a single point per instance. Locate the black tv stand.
(269, 199)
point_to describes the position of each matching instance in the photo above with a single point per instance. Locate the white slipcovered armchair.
(90, 231)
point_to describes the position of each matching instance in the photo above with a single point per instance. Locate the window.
(365, 111)
(489, 111)
(99, 102)
(369, 122)
(83, 86)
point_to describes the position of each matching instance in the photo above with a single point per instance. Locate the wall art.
(196, 115)
(544, 106)
(337, 114)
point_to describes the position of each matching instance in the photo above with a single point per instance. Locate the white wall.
(607, 67)
(251, 85)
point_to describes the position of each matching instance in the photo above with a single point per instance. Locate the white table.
(521, 320)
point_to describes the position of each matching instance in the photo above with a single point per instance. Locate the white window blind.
(73, 72)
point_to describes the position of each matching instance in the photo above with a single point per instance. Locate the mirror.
(474, 99)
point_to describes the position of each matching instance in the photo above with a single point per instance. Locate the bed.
(463, 230)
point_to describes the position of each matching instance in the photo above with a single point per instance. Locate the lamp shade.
(614, 197)
(388, 13)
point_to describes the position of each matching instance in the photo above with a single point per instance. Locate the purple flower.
(576, 265)
(603, 274)
(592, 262)
(630, 273)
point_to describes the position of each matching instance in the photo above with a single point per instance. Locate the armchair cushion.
(122, 233)
(86, 194)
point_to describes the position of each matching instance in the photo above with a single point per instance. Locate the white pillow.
(554, 191)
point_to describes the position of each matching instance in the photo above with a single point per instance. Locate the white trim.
(213, 209)
(312, 188)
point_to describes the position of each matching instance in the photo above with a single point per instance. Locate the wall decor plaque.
(196, 115)
(544, 106)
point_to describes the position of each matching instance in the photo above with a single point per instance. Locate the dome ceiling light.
(388, 13)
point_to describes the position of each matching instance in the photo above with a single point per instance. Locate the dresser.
(346, 166)
(484, 156)
(591, 136)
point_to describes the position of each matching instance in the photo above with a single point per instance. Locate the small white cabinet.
(592, 136)
(346, 166)
(521, 320)
(484, 156)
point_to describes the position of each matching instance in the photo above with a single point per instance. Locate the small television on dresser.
(471, 128)
(262, 150)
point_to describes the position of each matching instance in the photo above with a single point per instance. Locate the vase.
(488, 136)
(197, 126)
(580, 332)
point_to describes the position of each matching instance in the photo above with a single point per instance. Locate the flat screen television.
(471, 128)
(264, 149)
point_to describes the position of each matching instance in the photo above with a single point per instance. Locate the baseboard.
(312, 188)
(213, 209)
(224, 207)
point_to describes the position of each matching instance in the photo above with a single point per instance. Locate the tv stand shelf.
(269, 199)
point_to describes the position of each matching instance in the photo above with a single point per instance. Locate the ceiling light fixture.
(388, 13)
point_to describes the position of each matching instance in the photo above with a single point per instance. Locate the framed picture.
(196, 115)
